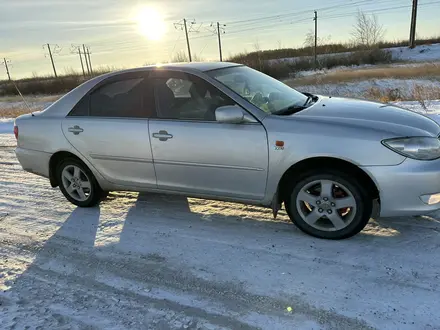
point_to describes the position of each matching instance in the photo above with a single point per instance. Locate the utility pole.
(220, 40)
(412, 33)
(90, 62)
(85, 57)
(5, 62)
(78, 49)
(183, 26)
(51, 57)
(316, 39)
(187, 40)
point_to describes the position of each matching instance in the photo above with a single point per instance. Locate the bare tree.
(256, 45)
(367, 30)
(181, 56)
(309, 40)
(280, 44)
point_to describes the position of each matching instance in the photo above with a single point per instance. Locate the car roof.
(188, 67)
(199, 66)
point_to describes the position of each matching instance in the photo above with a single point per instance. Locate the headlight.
(422, 148)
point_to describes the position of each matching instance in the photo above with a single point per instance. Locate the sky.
(130, 33)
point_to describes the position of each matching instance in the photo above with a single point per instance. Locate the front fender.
(306, 140)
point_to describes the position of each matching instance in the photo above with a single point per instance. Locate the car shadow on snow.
(90, 245)
(165, 209)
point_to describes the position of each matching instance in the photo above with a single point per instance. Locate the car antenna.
(27, 105)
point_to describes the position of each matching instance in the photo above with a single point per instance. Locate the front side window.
(267, 93)
(187, 97)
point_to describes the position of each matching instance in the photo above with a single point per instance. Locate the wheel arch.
(55, 159)
(296, 170)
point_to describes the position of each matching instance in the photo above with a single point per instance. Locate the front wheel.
(78, 184)
(329, 204)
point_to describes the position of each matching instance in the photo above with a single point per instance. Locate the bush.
(274, 54)
(280, 69)
(44, 86)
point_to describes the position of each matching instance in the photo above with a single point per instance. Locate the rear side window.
(118, 99)
(132, 97)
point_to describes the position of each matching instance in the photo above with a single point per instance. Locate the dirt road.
(157, 262)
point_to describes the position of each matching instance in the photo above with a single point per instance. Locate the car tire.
(78, 184)
(314, 204)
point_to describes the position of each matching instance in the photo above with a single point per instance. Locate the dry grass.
(431, 70)
(13, 106)
(417, 93)
(15, 112)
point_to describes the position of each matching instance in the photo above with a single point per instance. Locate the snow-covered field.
(422, 53)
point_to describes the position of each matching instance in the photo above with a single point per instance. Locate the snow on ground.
(145, 261)
(6, 125)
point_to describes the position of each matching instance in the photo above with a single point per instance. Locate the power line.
(378, 10)
(297, 13)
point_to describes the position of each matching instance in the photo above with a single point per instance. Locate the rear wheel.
(329, 204)
(78, 184)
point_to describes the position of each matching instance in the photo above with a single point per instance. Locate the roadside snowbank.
(6, 125)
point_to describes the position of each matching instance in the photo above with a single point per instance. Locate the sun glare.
(150, 23)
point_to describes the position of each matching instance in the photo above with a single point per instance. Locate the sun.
(150, 23)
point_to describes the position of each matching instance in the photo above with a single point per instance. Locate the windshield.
(267, 93)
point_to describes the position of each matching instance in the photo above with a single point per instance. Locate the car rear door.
(194, 153)
(109, 127)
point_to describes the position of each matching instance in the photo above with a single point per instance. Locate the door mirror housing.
(230, 114)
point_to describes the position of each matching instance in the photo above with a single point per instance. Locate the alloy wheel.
(326, 205)
(76, 183)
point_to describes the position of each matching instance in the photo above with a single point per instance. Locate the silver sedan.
(225, 131)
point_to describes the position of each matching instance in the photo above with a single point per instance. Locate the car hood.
(378, 116)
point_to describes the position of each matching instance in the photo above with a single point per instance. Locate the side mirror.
(230, 114)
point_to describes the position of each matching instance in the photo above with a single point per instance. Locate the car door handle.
(75, 130)
(162, 135)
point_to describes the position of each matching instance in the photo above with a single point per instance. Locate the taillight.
(16, 132)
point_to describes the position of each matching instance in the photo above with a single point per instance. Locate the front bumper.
(33, 161)
(407, 189)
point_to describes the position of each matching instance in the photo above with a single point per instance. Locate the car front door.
(193, 152)
(109, 127)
